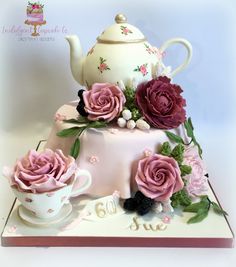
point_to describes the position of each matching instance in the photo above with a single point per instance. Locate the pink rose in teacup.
(42, 172)
(44, 182)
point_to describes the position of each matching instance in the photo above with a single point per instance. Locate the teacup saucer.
(28, 217)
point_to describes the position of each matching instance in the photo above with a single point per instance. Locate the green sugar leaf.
(217, 209)
(165, 149)
(178, 153)
(69, 132)
(200, 216)
(174, 137)
(97, 124)
(80, 120)
(71, 121)
(75, 149)
(185, 170)
(189, 128)
(195, 207)
(190, 123)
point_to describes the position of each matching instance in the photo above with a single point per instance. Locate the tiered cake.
(129, 127)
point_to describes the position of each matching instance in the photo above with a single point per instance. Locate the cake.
(34, 12)
(129, 127)
(127, 134)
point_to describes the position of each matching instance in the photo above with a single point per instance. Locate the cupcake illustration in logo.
(35, 16)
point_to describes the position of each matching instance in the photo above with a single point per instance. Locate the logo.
(35, 16)
(34, 28)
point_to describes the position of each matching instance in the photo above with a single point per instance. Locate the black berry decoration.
(139, 196)
(139, 203)
(145, 206)
(130, 204)
(81, 105)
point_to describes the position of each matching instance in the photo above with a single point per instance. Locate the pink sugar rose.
(161, 103)
(42, 172)
(196, 180)
(158, 177)
(104, 101)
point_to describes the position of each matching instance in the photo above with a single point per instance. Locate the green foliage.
(217, 209)
(73, 131)
(78, 121)
(75, 149)
(165, 149)
(129, 93)
(135, 114)
(185, 169)
(202, 208)
(96, 124)
(180, 199)
(178, 153)
(175, 138)
(189, 129)
(130, 104)
(190, 133)
(200, 216)
(83, 124)
(203, 204)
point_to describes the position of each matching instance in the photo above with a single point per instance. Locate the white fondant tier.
(109, 154)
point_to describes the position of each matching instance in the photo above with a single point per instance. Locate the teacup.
(48, 204)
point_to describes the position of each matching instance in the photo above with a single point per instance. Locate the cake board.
(121, 230)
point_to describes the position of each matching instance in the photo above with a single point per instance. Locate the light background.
(35, 80)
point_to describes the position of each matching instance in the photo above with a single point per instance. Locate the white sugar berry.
(131, 124)
(158, 207)
(121, 122)
(126, 114)
(142, 124)
(167, 206)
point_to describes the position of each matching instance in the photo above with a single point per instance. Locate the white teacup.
(48, 204)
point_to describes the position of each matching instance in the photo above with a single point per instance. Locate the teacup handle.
(186, 44)
(86, 185)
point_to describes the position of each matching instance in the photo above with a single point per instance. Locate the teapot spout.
(76, 58)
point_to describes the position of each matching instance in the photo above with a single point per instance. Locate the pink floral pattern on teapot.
(142, 69)
(125, 30)
(103, 66)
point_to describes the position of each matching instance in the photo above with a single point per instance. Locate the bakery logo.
(34, 27)
(35, 16)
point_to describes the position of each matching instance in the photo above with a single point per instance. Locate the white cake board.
(120, 230)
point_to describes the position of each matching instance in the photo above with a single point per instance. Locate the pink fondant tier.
(35, 17)
(109, 154)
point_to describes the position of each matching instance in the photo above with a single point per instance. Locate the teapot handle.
(186, 44)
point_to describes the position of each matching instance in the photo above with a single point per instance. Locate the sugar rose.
(158, 177)
(42, 172)
(161, 104)
(196, 180)
(104, 101)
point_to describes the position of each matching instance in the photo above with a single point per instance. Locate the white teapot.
(121, 54)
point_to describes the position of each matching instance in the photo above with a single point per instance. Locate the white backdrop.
(35, 79)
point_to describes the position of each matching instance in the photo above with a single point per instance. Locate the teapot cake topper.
(121, 54)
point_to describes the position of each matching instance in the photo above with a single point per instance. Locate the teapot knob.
(120, 18)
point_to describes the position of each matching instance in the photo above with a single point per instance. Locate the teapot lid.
(121, 32)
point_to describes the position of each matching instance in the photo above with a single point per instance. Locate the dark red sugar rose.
(161, 103)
